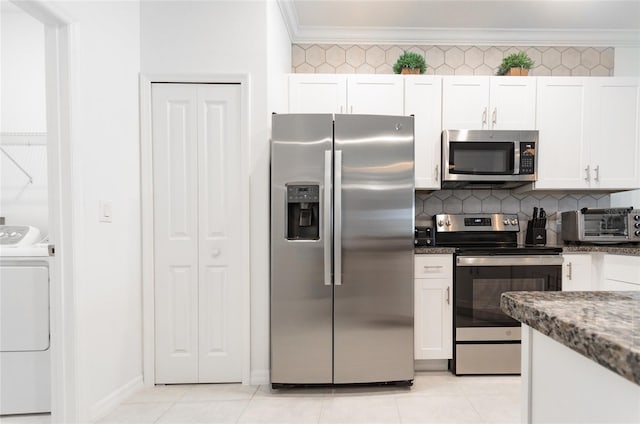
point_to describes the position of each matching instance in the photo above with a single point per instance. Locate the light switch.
(106, 213)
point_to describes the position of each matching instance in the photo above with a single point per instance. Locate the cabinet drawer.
(433, 266)
(622, 268)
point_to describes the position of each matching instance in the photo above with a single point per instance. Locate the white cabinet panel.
(615, 146)
(577, 272)
(433, 307)
(422, 98)
(512, 103)
(375, 94)
(465, 103)
(317, 93)
(589, 133)
(563, 150)
(489, 103)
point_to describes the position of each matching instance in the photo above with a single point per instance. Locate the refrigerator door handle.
(337, 220)
(327, 218)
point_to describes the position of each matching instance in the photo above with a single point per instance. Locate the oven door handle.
(529, 260)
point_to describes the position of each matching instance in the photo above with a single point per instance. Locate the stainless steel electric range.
(488, 262)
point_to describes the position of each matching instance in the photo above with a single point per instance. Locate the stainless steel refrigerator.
(342, 223)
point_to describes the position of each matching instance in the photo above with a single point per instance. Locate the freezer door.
(373, 227)
(301, 289)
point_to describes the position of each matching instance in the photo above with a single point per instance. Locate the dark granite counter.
(434, 250)
(602, 326)
(627, 250)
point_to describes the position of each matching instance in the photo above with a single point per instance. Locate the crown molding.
(470, 36)
(453, 36)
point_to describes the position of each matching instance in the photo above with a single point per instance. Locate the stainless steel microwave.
(488, 158)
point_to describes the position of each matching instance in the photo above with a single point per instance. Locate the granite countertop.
(602, 326)
(628, 250)
(434, 250)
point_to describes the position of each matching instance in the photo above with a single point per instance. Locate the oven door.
(480, 280)
(482, 159)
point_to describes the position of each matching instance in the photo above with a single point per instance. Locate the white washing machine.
(25, 358)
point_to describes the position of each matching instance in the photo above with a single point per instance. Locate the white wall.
(22, 63)
(23, 111)
(627, 62)
(106, 166)
(230, 37)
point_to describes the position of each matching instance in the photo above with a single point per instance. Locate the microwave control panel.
(527, 157)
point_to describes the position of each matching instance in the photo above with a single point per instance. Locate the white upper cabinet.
(562, 148)
(422, 98)
(361, 94)
(589, 133)
(317, 93)
(615, 141)
(488, 103)
(375, 95)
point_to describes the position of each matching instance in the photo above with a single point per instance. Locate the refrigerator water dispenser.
(303, 207)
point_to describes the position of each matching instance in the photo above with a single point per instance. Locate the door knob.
(215, 253)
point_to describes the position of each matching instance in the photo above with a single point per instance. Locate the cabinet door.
(375, 95)
(422, 98)
(465, 103)
(313, 93)
(512, 103)
(563, 150)
(614, 285)
(433, 319)
(615, 139)
(576, 272)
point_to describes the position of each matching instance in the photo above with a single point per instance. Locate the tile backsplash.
(450, 60)
(505, 201)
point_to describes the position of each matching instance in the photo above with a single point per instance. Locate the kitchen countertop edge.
(614, 250)
(589, 339)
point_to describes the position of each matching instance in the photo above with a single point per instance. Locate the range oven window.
(478, 290)
(482, 158)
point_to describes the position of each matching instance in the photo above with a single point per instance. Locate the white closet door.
(175, 175)
(197, 201)
(219, 229)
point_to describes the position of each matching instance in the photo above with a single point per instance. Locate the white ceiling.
(530, 22)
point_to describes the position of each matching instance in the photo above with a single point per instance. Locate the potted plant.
(516, 64)
(410, 63)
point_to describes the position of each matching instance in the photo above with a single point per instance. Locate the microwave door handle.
(516, 158)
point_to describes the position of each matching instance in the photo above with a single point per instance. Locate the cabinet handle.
(437, 172)
(448, 296)
(494, 117)
(340, 109)
(351, 110)
(484, 117)
(597, 169)
(570, 269)
(588, 173)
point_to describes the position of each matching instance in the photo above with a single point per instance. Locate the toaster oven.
(601, 225)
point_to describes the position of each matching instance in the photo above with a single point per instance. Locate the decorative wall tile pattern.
(505, 201)
(450, 60)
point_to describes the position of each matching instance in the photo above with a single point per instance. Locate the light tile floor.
(436, 397)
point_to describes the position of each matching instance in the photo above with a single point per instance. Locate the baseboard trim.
(105, 405)
(260, 377)
(431, 365)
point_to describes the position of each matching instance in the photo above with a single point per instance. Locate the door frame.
(147, 216)
(62, 182)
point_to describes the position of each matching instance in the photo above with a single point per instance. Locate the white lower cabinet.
(433, 306)
(620, 273)
(576, 272)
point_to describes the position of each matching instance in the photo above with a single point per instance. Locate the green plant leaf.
(515, 60)
(410, 60)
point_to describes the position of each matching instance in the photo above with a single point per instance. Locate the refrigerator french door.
(342, 212)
